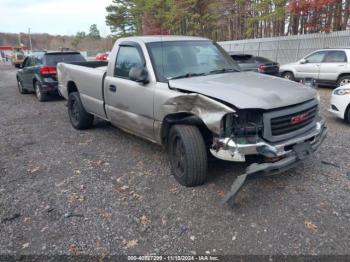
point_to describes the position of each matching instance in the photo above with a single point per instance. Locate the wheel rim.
(344, 82)
(37, 91)
(74, 110)
(287, 76)
(179, 161)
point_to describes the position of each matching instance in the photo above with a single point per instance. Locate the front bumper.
(300, 150)
(230, 150)
(339, 104)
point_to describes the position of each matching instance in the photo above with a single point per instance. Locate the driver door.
(310, 67)
(129, 104)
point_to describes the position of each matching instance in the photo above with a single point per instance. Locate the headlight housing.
(342, 91)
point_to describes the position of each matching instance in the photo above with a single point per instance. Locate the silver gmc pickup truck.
(187, 94)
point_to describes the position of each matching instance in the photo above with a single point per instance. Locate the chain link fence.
(287, 49)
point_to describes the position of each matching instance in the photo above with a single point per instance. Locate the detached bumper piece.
(299, 152)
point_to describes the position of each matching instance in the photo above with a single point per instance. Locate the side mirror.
(303, 61)
(139, 74)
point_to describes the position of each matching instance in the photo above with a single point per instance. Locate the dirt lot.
(103, 191)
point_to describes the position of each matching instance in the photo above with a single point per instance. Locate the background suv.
(38, 72)
(326, 66)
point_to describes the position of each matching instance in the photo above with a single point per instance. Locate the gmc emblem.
(299, 118)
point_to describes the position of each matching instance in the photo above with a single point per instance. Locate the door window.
(335, 57)
(31, 61)
(316, 57)
(128, 57)
(26, 62)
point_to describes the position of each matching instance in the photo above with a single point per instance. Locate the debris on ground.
(33, 169)
(144, 220)
(11, 218)
(311, 226)
(132, 243)
(330, 164)
(70, 214)
(73, 250)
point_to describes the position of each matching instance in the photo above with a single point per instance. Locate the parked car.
(187, 94)
(38, 72)
(326, 66)
(102, 56)
(256, 63)
(340, 102)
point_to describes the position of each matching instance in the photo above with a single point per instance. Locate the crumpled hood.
(247, 89)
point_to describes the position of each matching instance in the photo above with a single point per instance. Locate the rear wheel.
(288, 75)
(79, 118)
(344, 80)
(187, 155)
(21, 89)
(39, 93)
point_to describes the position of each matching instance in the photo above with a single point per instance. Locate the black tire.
(347, 115)
(21, 89)
(79, 118)
(289, 76)
(188, 155)
(344, 80)
(38, 92)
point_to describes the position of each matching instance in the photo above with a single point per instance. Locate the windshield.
(180, 59)
(53, 59)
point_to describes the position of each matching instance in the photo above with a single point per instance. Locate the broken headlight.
(243, 123)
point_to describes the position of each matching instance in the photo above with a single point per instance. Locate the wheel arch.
(183, 118)
(287, 71)
(36, 79)
(71, 87)
(342, 75)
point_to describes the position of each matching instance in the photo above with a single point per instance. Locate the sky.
(63, 17)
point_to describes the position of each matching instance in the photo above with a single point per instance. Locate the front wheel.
(79, 118)
(344, 80)
(288, 75)
(347, 115)
(21, 89)
(187, 155)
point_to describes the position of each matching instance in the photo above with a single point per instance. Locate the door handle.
(112, 88)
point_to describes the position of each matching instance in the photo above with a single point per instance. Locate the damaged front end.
(279, 138)
(293, 134)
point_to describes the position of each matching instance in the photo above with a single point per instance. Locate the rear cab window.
(54, 58)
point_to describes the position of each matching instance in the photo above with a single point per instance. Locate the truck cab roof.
(160, 38)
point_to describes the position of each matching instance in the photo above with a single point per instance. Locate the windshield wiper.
(186, 75)
(223, 70)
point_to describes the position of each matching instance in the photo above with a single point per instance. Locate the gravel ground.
(103, 191)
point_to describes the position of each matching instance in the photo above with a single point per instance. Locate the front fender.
(208, 110)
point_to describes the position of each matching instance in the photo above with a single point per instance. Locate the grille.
(286, 124)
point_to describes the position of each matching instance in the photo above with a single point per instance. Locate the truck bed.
(88, 78)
